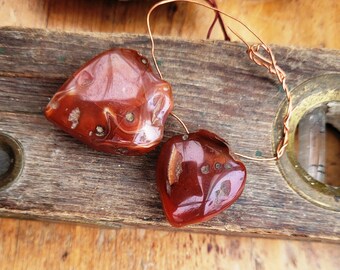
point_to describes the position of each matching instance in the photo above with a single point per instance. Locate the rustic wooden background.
(34, 245)
(65, 181)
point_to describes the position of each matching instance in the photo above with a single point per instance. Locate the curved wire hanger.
(253, 51)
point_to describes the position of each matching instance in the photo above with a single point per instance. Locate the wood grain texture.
(295, 22)
(290, 22)
(64, 180)
(66, 246)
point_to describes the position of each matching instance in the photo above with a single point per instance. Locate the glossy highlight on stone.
(198, 177)
(114, 103)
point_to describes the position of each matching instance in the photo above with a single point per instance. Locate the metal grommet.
(11, 160)
(307, 96)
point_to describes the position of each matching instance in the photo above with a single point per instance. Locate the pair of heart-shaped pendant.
(116, 104)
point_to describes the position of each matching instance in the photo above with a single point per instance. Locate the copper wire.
(253, 51)
(217, 18)
(181, 122)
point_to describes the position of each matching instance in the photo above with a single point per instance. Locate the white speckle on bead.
(74, 117)
(205, 169)
(54, 105)
(100, 132)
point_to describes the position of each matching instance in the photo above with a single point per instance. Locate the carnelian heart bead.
(114, 103)
(198, 177)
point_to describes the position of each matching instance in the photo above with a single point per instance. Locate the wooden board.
(63, 180)
(39, 245)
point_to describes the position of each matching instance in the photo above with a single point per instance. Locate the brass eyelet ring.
(307, 96)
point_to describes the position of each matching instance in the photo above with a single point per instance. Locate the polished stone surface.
(198, 177)
(114, 103)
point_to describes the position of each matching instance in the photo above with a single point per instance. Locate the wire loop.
(253, 51)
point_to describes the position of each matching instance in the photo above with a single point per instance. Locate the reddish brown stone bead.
(114, 103)
(197, 177)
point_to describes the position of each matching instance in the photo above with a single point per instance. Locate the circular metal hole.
(317, 143)
(306, 97)
(11, 160)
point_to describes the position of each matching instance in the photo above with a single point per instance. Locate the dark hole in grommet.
(11, 159)
(6, 160)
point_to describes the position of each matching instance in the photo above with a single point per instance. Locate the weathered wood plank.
(215, 87)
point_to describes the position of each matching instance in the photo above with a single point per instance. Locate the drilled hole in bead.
(11, 160)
